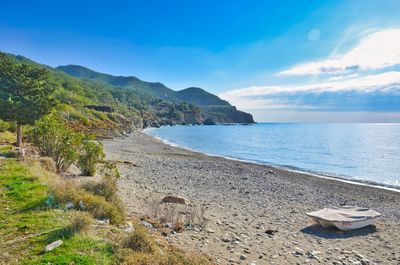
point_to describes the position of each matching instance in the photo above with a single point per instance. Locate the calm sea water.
(362, 151)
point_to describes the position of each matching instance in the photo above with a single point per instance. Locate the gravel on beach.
(255, 213)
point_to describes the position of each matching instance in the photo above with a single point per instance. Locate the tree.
(54, 139)
(25, 94)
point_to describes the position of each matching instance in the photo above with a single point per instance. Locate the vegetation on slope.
(211, 106)
(38, 207)
(85, 219)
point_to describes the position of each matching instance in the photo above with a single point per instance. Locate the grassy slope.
(23, 213)
(28, 223)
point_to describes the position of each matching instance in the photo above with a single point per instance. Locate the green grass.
(24, 212)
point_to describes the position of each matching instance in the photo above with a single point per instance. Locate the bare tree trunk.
(19, 135)
(20, 146)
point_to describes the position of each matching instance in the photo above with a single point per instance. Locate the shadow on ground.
(334, 233)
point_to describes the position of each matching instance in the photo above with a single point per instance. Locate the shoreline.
(246, 201)
(344, 179)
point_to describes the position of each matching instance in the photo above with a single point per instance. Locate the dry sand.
(245, 200)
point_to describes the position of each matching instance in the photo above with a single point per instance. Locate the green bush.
(54, 139)
(91, 154)
(4, 126)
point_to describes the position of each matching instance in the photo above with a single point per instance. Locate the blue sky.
(280, 60)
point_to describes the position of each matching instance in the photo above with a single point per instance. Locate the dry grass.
(68, 192)
(7, 137)
(82, 241)
(139, 241)
(80, 222)
(48, 164)
(106, 187)
(178, 216)
(170, 257)
(138, 248)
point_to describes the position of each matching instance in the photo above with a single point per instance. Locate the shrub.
(99, 207)
(80, 222)
(91, 154)
(139, 241)
(48, 164)
(110, 170)
(4, 126)
(106, 188)
(54, 139)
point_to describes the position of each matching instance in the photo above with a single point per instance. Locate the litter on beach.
(345, 218)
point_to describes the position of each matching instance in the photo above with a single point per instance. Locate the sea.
(368, 153)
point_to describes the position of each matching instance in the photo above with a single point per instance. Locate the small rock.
(247, 251)
(82, 206)
(210, 231)
(175, 199)
(52, 246)
(103, 222)
(225, 239)
(69, 205)
(129, 227)
(147, 224)
(298, 252)
(313, 254)
(271, 232)
(243, 257)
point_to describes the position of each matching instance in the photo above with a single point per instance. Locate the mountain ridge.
(109, 105)
(213, 107)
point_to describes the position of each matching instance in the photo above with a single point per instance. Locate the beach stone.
(175, 199)
(247, 251)
(313, 254)
(225, 239)
(298, 252)
(210, 231)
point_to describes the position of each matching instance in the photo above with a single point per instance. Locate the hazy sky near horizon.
(306, 60)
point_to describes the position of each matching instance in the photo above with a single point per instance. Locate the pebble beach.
(255, 213)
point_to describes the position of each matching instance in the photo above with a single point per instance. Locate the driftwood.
(121, 162)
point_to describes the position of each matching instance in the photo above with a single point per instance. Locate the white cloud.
(250, 98)
(375, 51)
(342, 77)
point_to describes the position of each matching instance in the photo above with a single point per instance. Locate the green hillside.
(214, 108)
(103, 103)
(144, 89)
